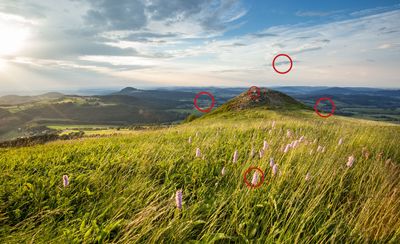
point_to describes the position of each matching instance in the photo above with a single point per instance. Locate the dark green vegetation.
(122, 188)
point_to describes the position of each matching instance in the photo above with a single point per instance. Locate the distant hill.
(266, 98)
(17, 100)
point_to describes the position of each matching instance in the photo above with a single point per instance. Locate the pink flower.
(254, 181)
(261, 153)
(350, 161)
(265, 145)
(178, 199)
(288, 133)
(275, 169)
(198, 153)
(301, 139)
(287, 148)
(271, 162)
(308, 176)
(235, 156)
(65, 180)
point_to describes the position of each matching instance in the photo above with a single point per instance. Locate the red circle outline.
(282, 72)
(248, 171)
(332, 110)
(254, 97)
(212, 101)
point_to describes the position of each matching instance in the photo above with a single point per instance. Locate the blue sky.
(78, 44)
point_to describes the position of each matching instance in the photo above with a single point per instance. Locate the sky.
(78, 44)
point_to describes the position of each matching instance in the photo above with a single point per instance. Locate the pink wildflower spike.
(295, 143)
(271, 162)
(265, 145)
(190, 140)
(198, 153)
(223, 171)
(308, 176)
(254, 180)
(275, 169)
(350, 161)
(178, 199)
(65, 180)
(261, 153)
(287, 148)
(301, 139)
(340, 141)
(235, 156)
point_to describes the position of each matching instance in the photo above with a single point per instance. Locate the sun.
(13, 38)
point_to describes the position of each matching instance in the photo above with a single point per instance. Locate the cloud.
(317, 13)
(124, 15)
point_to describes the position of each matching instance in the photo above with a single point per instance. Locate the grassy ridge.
(122, 188)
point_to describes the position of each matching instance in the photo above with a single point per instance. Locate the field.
(122, 188)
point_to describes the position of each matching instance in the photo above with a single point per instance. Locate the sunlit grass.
(122, 188)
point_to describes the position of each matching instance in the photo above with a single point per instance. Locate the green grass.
(122, 188)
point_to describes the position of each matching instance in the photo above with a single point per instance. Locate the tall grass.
(122, 189)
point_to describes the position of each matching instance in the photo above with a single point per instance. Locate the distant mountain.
(127, 91)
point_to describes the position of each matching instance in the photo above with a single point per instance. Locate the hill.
(335, 180)
(264, 98)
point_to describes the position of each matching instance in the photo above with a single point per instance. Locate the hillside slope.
(122, 188)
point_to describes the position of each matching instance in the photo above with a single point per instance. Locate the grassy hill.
(122, 188)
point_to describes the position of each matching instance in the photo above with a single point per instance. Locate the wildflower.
(340, 141)
(271, 162)
(190, 140)
(261, 153)
(308, 176)
(288, 133)
(301, 139)
(287, 148)
(275, 169)
(254, 181)
(235, 156)
(295, 143)
(223, 171)
(265, 146)
(65, 180)
(198, 153)
(252, 153)
(178, 199)
(350, 161)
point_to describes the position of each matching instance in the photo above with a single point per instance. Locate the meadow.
(122, 189)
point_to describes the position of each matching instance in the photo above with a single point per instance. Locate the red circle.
(248, 183)
(250, 93)
(284, 55)
(332, 110)
(212, 101)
